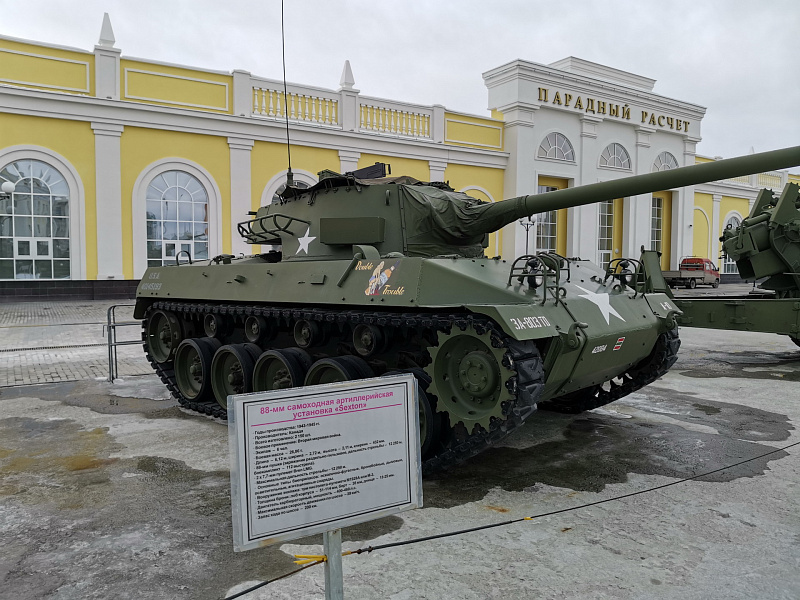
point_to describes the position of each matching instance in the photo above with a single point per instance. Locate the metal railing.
(111, 329)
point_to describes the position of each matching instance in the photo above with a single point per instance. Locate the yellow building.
(120, 163)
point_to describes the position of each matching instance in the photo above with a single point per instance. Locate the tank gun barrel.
(503, 213)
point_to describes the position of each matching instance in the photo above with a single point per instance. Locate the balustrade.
(741, 180)
(316, 106)
(304, 108)
(394, 121)
(770, 180)
(773, 179)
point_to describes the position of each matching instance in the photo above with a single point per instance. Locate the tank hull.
(446, 320)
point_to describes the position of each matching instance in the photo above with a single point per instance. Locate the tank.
(359, 277)
(766, 248)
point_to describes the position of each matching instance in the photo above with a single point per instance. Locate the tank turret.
(404, 216)
(767, 243)
(387, 275)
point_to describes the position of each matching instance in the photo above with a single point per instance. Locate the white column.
(438, 125)
(241, 193)
(683, 234)
(636, 221)
(716, 227)
(108, 184)
(637, 208)
(348, 160)
(520, 177)
(437, 168)
(348, 104)
(682, 226)
(242, 94)
(587, 161)
(106, 63)
(583, 221)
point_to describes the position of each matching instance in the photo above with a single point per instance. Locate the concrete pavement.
(110, 490)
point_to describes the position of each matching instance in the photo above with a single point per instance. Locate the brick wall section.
(38, 291)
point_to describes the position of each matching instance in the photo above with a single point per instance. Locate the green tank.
(766, 248)
(359, 277)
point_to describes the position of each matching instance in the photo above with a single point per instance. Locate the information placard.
(312, 459)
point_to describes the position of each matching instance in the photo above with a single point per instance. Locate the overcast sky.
(738, 58)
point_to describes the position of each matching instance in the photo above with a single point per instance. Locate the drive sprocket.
(470, 379)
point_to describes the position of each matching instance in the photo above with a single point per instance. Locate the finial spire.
(106, 33)
(348, 81)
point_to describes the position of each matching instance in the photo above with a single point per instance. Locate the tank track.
(454, 445)
(662, 357)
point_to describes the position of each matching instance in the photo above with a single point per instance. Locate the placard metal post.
(332, 547)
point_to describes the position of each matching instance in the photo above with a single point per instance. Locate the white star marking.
(603, 303)
(305, 241)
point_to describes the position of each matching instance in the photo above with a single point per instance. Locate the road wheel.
(692, 284)
(429, 422)
(163, 333)
(338, 368)
(193, 368)
(232, 371)
(280, 369)
(427, 425)
(715, 285)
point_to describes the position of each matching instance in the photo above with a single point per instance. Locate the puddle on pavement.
(70, 473)
(743, 365)
(142, 396)
(72, 511)
(591, 450)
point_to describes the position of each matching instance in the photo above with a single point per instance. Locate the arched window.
(302, 179)
(664, 162)
(728, 264)
(616, 157)
(556, 146)
(301, 185)
(34, 222)
(177, 218)
(176, 206)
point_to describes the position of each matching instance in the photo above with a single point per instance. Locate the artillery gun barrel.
(523, 206)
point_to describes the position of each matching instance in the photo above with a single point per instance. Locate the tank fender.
(664, 308)
(141, 307)
(525, 321)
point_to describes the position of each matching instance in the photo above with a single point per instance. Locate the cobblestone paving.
(43, 342)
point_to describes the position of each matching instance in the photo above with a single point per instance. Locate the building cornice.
(24, 101)
(45, 44)
(542, 74)
(725, 188)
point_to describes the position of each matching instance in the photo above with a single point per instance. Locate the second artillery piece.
(766, 248)
(386, 275)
